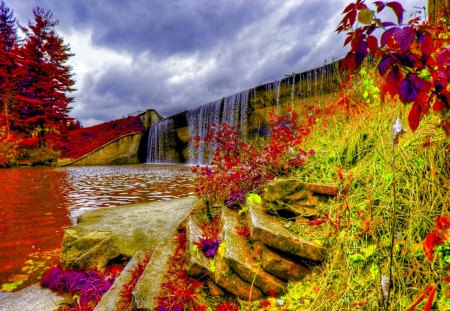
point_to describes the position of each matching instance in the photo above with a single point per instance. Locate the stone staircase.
(273, 255)
(249, 268)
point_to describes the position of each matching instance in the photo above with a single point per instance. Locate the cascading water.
(199, 120)
(233, 112)
(164, 147)
(161, 142)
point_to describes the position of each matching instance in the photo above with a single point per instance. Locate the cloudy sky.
(174, 55)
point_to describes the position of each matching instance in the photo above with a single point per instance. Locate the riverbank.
(127, 229)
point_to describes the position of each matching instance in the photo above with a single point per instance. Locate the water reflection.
(33, 213)
(36, 204)
(103, 186)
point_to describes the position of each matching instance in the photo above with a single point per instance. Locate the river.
(37, 204)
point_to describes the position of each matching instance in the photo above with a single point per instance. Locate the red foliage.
(128, 288)
(238, 167)
(430, 291)
(84, 140)
(180, 290)
(244, 231)
(436, 237)
(227, 306)
(414, 59)
(88, 286)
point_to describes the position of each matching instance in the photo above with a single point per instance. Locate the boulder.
(104, 234)
(145, 293)
(238, 256)
(87, 250)
(272, 232)
(112, 299)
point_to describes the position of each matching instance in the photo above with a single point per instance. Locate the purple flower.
(209, 246)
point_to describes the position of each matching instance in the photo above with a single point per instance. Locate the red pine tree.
(8, 65)
(45, 79)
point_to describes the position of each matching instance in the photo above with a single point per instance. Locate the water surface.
(37, 204)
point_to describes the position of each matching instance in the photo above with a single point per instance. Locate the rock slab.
(112, 299)
(272, 232)
(31, 298)
(104, 234)
(145, 293)
(239, 257)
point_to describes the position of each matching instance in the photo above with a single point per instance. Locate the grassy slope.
(361, 145)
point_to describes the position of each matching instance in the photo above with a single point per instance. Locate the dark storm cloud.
(164, 27)
(175, 55)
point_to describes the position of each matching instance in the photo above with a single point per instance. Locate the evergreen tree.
(45, 79)
(8, 65)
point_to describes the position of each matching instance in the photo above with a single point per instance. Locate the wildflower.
(209, 246)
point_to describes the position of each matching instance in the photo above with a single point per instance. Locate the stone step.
(296, 197)
(281, 266)
(197, 264)
(232, 283)
(147, 288)
(272, 232)
(239, 257)
(112, 299)
(222, 276)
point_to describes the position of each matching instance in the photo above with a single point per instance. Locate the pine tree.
(8, 65)
(45, 79)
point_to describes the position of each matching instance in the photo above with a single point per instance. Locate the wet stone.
(271, 231)
(239, 258)
(197, 263)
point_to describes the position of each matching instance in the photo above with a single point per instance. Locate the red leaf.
(405, 37)
(385, 64)
(430, 300)
(432, 239)
(372, 43)
(349, 62)
(443, 223)
(393, 80)
(361, 52)
(349, 7)
(414, 116)
(387, 38)
(349, 19)
(398, 10)
(380, 5)
(427, 45)
(348, 39)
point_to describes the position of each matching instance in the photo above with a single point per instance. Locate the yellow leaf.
(365, 17)
(19, 278)
(8, 287)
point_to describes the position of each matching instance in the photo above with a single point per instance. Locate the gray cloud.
(176, 55)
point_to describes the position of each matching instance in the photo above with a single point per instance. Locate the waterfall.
(233, 112)
(161, 142)
(199, 120)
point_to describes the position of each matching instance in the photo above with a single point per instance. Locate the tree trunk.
(434, 6)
